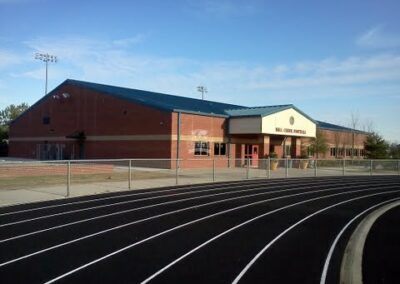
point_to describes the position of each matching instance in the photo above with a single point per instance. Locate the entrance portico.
(257, 132)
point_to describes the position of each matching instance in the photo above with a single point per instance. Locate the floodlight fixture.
(45, 57)
(202, 90)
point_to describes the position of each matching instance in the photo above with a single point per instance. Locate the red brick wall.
(97, 115)
(198, 128)
(340, 139)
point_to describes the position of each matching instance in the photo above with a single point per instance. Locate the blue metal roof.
(330, 126)
(257, 111)
(263, 111)
(159, 100)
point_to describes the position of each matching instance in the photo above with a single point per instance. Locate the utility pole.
(46, 58)
(202, 90)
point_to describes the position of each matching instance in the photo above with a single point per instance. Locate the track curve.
(275, 231)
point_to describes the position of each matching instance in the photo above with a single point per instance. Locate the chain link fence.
(83, 177)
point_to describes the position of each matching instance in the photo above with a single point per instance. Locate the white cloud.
(8, 58)
(377, 37)
(125, 42)
(118, 64)
(308, 84)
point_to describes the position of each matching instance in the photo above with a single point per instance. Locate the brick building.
(82, 120)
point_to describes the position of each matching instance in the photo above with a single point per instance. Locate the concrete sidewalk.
(186, 177)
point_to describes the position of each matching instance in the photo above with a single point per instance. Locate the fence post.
(248, 168)
(344, 166)
(68, 177)
(398, 167)
(213, 173)
(130, 174)
(316, 168)
(176, 172)
(370, 167)
(287, 168)
(269, 168)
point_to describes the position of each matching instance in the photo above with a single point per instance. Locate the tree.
(376, 147)
(318, 144)
(338, 140)
(7, 115)
(394, 151)
(354, 124)
(11, 112)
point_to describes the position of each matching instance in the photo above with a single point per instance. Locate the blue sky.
(331, 59)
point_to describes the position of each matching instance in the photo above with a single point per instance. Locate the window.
(46, 120)
(219, 149)
(201, 148)
(333, 152)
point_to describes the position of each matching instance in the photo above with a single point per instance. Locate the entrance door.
(251, 154)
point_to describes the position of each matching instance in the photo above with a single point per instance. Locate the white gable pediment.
(288, 122)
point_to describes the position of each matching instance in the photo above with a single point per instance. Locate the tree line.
(7, 115)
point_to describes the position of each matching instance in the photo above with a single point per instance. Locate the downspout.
(284, 147)
(228, 134)
(178, 138)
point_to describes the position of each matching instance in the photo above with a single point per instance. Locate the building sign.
(289, 130)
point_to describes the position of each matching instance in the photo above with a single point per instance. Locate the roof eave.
(200, 113)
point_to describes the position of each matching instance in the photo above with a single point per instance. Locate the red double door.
(251, 154)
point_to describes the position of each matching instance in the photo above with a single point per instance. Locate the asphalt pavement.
(257, 231)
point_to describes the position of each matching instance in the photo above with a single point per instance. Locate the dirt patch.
(52, 170)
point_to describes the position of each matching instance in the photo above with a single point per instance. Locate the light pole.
(202, 90)
(46, 58)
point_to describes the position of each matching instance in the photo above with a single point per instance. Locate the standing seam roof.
(159, 100)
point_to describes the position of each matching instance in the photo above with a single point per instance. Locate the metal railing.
(80, 177)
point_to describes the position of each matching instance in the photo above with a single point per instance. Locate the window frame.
(221, 149)
(201, 148)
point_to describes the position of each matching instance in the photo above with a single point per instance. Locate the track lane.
(114, 241)
(59, 236)
(380, 255)
(57, 206)
(200, 209)
(99, 262)
(238, 246)
(312, 253)
(45, 224)
(91, 212)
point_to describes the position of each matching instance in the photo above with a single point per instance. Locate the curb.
(351, 267)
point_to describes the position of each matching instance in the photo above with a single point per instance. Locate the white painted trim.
(101, 138)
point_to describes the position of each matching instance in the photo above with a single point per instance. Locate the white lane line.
(113, 204)
(251, 263)
(176, 228)
(151, 277)
(188, 187)
(333, 246)
(165, 203)
(131, 201)
(151, 206)
(122, 196)
(162, 215)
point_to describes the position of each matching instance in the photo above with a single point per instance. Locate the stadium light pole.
(202, 90)
(45, 57)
